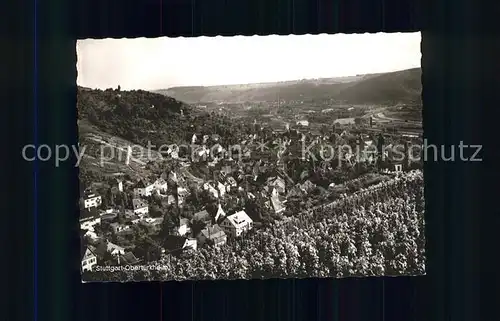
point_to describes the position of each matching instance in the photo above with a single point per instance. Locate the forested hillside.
(142, 117)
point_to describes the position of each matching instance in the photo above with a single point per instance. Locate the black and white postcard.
(257, 157)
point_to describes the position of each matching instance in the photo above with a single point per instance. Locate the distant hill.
(395, 87)
(400, 86)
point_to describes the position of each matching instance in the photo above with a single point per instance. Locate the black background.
(459, 96)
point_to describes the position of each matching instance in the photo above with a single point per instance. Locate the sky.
(161, 63)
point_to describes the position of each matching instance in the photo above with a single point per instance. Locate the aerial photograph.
(223, 158)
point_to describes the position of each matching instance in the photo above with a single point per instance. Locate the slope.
(400, 86)
(389, 88)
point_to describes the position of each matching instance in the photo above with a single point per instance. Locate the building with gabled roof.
(161, 186)
(88, 259)
(175, 244)
(277, 205)
(212, 235)
(143, 188)
(114, 249)
(91, 199)
(236, 224)
(184, 227)
(140, 207)
(202, 217)
(220, 214)
(130, 259)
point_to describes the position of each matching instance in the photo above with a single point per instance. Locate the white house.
(231, 181)
(89, 222)
(181, 194)
(89, 259)
(154, 223)
(143, 188)
(119, 185)
(237, 223)
(161, 186)
(118, 228)
(91, 199)
(220, 214)
(170, 199)
(92, 235)
(208, 187)
(277, 204)
(278, 183)
(140, 207)
(114, 249)
(222, 189)
(183, 227)
(304, 123)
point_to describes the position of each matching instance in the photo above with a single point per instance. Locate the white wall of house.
(142, 211)
(161, 188)
(89, 225)
(183, 230)
(144, 192)
(92, 202)
(87, 264)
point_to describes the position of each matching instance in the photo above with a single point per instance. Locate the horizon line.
(256, 83)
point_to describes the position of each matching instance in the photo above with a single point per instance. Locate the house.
(119, 185)
(304, 123)
(91, 235)
(119, 228)
(140, 207)
(170, 199)
(278, 183)
(129, 258)
(143, 188)
(202, 217)
(182, 192)
(208, 187)
(91, 199)
(222, 189)
(172, 176)
(183, 228)
(277, 204)
(175, 244)
(212, 235)
(307, 186)
(161, 186)
(295, 192)
(88, 259)
(154, 223)
(237, 223)
(231, 181)
(114, 249)
(220, 214)
(88, 223)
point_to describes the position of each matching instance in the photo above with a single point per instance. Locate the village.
(215, 197)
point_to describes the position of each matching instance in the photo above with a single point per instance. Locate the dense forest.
(378, 231)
